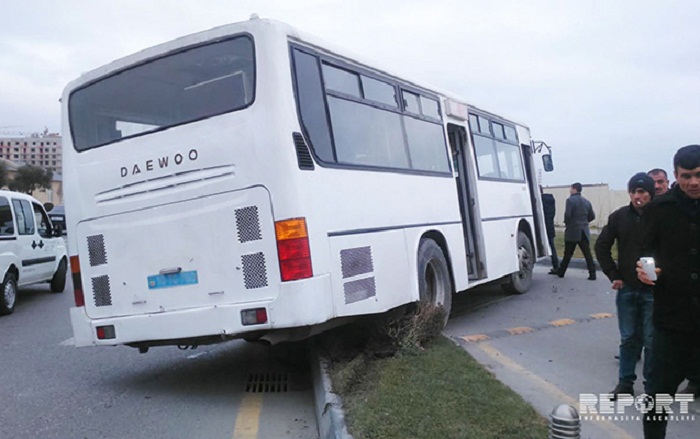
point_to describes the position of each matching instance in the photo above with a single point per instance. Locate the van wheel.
(58, 282)
(434, 281)
(520, 281)
(8, 295)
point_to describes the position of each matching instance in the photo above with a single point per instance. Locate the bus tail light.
(293, 249)
(256, 316)
(77, 283)
(106, 332)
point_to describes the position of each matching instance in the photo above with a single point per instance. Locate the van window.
(7, 226)
(24, 217)
(42, 221)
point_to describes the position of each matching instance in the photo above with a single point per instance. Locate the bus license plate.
(172, 280)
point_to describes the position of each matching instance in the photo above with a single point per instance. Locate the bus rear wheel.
(520, 281)
(434, 281)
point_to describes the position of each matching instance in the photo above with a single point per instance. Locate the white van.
(31, 249)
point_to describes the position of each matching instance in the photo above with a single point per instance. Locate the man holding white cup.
(634, 300)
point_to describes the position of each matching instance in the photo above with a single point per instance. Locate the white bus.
(252, 181)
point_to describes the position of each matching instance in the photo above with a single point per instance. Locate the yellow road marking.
(475, 337)
(602, 315)
(248, 418)
(520, 330)
(562, 322)
(548, 387)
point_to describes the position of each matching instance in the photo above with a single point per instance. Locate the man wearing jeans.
(635, 301)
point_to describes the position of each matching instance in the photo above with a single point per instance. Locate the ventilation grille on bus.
(360, 289)
(254, 271)
(356, 261)
(304, 159)
(248, 224)
(101, 291)
(96, 250)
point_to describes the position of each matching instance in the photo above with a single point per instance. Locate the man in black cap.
(672, 235)
(635, 301)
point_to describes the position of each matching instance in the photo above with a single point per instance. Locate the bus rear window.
(183, 87)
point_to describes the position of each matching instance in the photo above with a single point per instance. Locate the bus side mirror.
(547, 162)
(48, 206)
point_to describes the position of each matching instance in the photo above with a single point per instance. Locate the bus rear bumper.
(299, 304)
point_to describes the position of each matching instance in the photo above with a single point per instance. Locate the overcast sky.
(612, 86)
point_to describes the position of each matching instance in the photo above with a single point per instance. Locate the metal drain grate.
(267, 382)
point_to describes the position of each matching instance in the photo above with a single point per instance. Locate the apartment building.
(43, 150)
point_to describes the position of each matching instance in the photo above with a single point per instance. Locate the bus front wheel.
(434, 281)
(520, 281)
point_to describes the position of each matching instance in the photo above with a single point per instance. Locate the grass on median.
(429, 390)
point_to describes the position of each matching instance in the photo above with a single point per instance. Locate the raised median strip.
(330, 416)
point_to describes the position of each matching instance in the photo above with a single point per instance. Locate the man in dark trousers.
(550, 210)
(577, 215)
(672, 235)
(634, 300)
(693, 387)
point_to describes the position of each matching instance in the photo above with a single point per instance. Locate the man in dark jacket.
(634, 300)
(549, 208)
(672, 233)
(661, 186)
(577, 215)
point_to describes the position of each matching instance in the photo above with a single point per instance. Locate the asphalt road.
(50, 389)
(554, 343)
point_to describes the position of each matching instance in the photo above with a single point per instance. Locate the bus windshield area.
(175, 89)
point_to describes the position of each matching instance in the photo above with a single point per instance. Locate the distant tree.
(30, 178)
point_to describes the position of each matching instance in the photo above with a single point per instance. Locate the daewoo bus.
(252, 181)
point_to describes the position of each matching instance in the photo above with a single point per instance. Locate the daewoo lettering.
(160, 163)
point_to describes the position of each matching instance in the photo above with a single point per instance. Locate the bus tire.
(8, 295)
(520, 281)
(58, 282)
(434, 280)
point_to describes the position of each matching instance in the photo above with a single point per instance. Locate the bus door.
(460, 158)
(535, 201)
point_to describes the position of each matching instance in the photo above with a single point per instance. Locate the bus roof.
(256, 25)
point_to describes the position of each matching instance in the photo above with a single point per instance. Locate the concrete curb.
(329, 406)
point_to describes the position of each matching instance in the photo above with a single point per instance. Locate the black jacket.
(672, 224)
(627, 227)
(549, 208)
